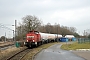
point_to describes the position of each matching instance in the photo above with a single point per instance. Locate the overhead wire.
(3, 26)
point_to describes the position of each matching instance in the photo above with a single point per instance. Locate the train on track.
(35, 38)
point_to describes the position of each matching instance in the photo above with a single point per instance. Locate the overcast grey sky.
(71, 13)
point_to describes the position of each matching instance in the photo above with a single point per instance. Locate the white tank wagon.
(44, 37)
(70, 37)
(51, 37)
(47, 37)
(57, 37)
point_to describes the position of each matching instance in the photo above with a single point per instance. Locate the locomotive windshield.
(30, 36)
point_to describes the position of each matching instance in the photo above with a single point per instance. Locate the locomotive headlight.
(33, 40)
(27, 40)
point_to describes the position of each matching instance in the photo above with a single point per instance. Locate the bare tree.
(31, 22)
(42, 29)
(72, 29)
(65, 30)
(21, 32)
(48, 28)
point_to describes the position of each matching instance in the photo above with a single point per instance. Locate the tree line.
(30, 22)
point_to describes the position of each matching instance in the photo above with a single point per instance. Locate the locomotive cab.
(33, 38)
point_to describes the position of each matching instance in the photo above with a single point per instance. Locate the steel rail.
(19, 55)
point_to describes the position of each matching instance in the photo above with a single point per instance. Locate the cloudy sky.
(71, 13)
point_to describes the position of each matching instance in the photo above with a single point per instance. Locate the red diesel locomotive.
(35, 38)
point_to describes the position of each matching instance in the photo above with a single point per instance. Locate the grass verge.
(75, 46)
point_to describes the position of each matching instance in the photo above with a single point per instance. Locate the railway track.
(19, 55)
(6, 46)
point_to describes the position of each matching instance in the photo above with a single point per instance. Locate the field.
(75, 46)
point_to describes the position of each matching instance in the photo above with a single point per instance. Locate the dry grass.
(8, 52)
(75, 46)
(5, 43)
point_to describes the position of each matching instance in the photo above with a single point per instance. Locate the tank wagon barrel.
(44, 37)
(70, 37)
